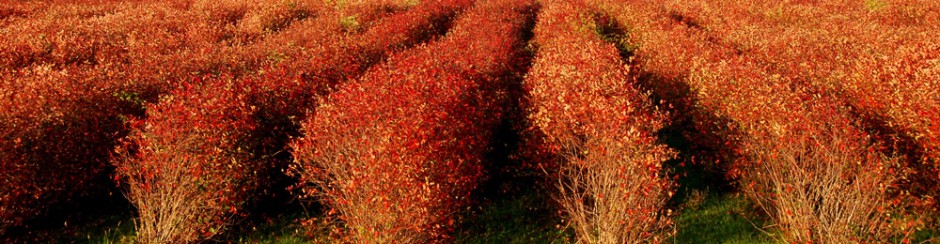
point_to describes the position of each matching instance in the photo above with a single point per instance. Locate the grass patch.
(110, 229)
(719, 219)
(526, 218)
(707, 218)
(284, 229)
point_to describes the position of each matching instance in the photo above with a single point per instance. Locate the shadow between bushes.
(96, 201)
(511, 205)
(708, 208)
(74, 221)
(515, 206)
(699, 166)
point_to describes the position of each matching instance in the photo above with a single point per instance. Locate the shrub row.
(900, 96)
(665, 47)
(212, 145)
(50, 154)
(798, 153)
(883, 63)
(805, 162)
(589, 112)
(66, 84)
(397, 153)
(879, 57)
(63, 119)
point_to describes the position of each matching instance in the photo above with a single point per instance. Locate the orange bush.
(804, 161)
(609, 164)
(795, 150)
(220, 137)
(76, 71)
(396, 153)
(55, 141)
(62, 108)
(878, 56)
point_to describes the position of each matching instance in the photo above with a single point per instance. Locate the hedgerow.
(798, 153)
(50, 154)
(805, 162)
(396, 154)
(874, 57)
(77, 71)
(226, 134)
(587, 110)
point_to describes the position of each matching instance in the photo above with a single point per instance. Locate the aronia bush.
(797, 152)
(588, 111)
(396, 154)
(805, 162)
(62, 106)
(222, 136)
(878, 57)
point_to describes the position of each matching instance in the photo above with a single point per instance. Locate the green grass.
(120, 229)
(283, 230)
(526, 218)
(719, 219)
(114, 229)
(713, 219)
(523, 216)
(706, 217)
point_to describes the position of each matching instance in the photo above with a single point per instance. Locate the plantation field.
(469, 121)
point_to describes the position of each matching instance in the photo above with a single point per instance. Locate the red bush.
(603, 129)
(183, 191)
(805, 162)
(878, 57)
(76, 71)
(795, 150)
(397, 153)
(223, 134)
(58, 131)
(63, 105)
(666, 44)
(61, 114)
